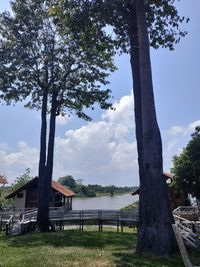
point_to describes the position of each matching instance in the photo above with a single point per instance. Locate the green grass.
(75, 248)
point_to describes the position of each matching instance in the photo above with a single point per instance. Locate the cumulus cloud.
(175, 139)
(176, 130)
(15, 163)
(191, 127)
(98, 152)
(102, 152)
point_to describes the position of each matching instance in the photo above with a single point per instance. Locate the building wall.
(19, 201)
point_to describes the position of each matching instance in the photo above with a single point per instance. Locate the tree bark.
(50, 155)
(45, 222)
(135, 67)
(42, 160)
(154, 231)
(44, 183)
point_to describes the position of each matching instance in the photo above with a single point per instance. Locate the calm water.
(104, 202)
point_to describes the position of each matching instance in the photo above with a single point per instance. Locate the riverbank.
(103, 195)
(75, 248)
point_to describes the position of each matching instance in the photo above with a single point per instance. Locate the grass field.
(74, 248)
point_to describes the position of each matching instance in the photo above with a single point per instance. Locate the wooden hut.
(176, 199)
(27, 195)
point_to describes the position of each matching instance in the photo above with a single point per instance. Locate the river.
(103, 202)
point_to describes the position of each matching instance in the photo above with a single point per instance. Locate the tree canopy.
(163, 20)
(55, 68)
(186, 167)
(68, 181)
(21, 180)
(36, 55)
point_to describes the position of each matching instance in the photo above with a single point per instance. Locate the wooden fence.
(59, 218)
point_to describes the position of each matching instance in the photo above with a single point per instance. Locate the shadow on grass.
(69, 238)
(129, 259)
(121, 247)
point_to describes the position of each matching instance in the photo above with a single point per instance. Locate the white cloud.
(101, 152)
(15, 163)
(175, 139)
(176, 130)
(98, 152)
(191, 128)
(4, 147)
(62, 120)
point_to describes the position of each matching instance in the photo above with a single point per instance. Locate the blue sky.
(104, 150)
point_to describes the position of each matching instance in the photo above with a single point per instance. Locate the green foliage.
(68, 181)
(163, 20)
(5, 203)
(131, 206)
(21, 180)
(186, 167)
(38, 53)
(92, 190)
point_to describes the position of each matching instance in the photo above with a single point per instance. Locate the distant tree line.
(92, 190)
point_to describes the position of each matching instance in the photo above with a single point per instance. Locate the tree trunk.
(44, 184)
(49, 167)
(135, 67)
(198, 205)
(154, 232)
(42, 161)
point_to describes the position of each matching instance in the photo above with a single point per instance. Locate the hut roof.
(55, 185)
(166, 175)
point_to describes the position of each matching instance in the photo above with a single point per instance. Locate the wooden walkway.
(60, 219)
(19, 223)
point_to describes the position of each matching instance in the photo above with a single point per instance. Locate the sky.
(104, 150)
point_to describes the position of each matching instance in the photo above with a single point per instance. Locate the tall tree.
(137, 25)
(154, 211)
(56, 70)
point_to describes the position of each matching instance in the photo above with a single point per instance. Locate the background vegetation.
(92, 190)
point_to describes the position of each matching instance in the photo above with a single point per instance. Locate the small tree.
(21, 180)
(137, 25)
(68, 181)
(3, 180)
(186, 167)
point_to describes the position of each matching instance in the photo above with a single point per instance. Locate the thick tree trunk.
(42, 162)
(154, 232)
(45, 223)
(198, 204)
(44, 185)
(49, 167)
(135, 67)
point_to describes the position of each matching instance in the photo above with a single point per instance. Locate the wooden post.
(181, 246)
(121, 227)
(117, 222)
